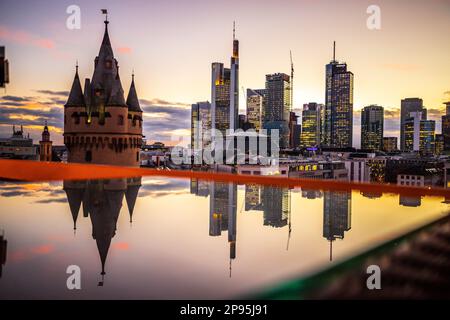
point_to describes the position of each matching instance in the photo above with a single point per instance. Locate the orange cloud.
(124, 50)
(22, 37)
(121, 246)
(26, 254)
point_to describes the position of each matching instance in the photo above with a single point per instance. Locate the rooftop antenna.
(334, 50)
(234, 30)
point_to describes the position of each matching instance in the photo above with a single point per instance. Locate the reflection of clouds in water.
(48, 192)
(160, 188)
(52, 192)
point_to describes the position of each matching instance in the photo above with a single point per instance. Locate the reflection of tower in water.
(102, 202)
(336, 216)
(222, 214)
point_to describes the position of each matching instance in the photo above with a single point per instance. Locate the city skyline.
(375, 62)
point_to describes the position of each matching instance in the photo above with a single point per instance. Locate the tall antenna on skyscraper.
(334, 50)
(234, 30)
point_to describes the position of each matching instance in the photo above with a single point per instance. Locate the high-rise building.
(409, 105)
(278, 106)
(225, 93)
(338, 116)
(200, 125)
(45, 146)
(427, 137)
(372, 118)
(100, 126)
(439, 144)
(311, 122)
(255, 108)
(446, 127)
(389, 144)
(295, 131)
(419, 134)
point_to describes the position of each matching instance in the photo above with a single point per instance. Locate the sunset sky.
(171, 45)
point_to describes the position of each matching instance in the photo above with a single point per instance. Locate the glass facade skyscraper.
(409, 105)
(311, 124)
(338, 116)
(278, 106)
(372, 118)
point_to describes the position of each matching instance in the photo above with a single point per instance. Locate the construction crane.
(292, 80)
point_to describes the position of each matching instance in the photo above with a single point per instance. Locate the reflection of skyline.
(101, 201)
(222, 213)
(337, 214)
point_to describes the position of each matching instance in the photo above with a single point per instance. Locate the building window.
(137, 156)
(120, 120)
(88, 156)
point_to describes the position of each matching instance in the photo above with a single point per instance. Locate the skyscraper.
(255, 111)
(200, 125)
(419, 134)
(372, 118)
(409, 105)
(389, 144)
(278, 106)
(225, 92)
(338, 116)
(446, 127)
(311, 122)
(295, 131)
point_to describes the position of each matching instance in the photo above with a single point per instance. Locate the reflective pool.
(163, 238)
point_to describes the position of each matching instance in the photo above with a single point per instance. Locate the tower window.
(88, 156)
(120, 120)
(137, 156)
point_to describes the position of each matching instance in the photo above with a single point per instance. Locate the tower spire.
(334, 50)
(234, 30)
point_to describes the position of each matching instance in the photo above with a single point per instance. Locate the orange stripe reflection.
(48, 171)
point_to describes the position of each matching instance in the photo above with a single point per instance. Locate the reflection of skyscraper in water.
(410, 201)
(252, 197)
(276, 203)
(336, 216)
(199, 187)
(3, 244)
(222, 213)
(102, 202)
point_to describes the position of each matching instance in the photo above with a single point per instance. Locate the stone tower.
(99, 125)
(45, 145)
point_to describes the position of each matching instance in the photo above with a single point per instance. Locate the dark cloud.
(52, 200)
(163, 102)
(164, 117)
(53, 116)
(53, 93)
(14, 98)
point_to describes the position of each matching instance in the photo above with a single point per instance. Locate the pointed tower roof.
(74, 197)
(132, 99)
(106, 74)
(76, 98)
